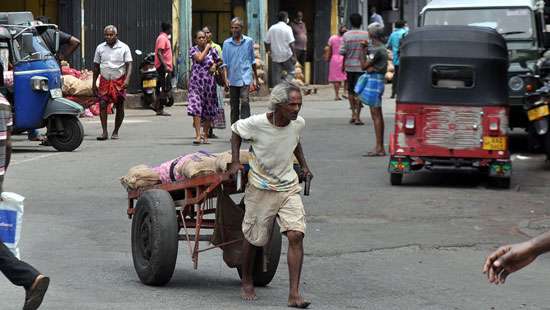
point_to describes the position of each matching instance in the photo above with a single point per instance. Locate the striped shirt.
(351, 48)
(6, 123)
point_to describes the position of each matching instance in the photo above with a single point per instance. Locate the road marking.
(16, 162)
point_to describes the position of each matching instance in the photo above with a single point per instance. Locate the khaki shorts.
(263, 206)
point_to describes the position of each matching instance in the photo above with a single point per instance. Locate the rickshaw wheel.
(260, 277)
(72, 137)
(499, 182)
(155, 237)
(396, 178)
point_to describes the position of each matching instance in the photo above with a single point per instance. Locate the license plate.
(494, 143)
(149, 83)
(56, 93)
(537, 113)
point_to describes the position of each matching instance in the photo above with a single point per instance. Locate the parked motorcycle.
(536, 105)
(148, 77)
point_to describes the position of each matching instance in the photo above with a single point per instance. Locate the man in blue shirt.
(240, 70)
(394, 42)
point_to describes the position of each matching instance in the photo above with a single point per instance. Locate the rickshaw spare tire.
(72, 136)
(396, 178)
(155, 237)
(148, 100)
(260, 277)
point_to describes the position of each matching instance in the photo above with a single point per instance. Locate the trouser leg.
(234, 95)
(290, 67)
(17, 271)
(276, 69)
(394, 81)
(245, 102)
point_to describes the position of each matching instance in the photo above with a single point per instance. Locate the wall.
(37, 7)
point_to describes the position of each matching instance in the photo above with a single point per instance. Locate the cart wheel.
(260, 277)
(396, 178)
(155, 237)
(499, 182)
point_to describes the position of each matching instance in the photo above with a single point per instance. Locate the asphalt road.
(368, 246)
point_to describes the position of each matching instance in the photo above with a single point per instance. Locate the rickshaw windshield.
(512, 23)
(37, 51)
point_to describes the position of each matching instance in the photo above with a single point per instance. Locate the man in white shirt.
(279, 43)
(273, 190)
(113, 66)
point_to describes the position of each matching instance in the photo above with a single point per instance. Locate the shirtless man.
(273, 190)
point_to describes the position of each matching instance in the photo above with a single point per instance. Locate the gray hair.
(376, 31)
(237, 20)
(280, 94)
(110, 28)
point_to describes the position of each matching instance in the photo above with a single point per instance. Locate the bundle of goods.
(391, 69)
(178, 169)
(260, 67)
(299, 75)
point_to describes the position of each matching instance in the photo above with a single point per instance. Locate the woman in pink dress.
(336, 73)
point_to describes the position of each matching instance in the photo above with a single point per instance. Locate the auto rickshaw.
(451, 108)
(30, 78)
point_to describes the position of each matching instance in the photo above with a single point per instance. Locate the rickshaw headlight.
(516, 83)
(39, 83)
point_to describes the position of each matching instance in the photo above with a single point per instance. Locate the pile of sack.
(391, 69)
(260, 66)
(178, 169)
(76, 83)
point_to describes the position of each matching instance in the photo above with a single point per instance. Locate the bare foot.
(247, 292)
(298, 302)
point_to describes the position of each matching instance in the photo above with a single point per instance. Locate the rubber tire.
(260, 277)
(74, 135)
(547, 145)
(396, 179)
(503, 183)
(155, 265)
(148, 101)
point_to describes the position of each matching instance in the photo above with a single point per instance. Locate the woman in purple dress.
(203, 104)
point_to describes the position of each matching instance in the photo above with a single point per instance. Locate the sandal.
(102, 138)
(303, 305)
(196, 142)
(359, 123)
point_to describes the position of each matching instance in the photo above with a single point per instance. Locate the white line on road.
(15, 162)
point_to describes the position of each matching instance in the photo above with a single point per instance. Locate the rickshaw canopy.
(453, 65)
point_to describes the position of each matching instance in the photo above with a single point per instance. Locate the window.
(453, 77)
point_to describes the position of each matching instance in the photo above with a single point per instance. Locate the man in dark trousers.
(163, 63)
(67, 43)
(17, 271)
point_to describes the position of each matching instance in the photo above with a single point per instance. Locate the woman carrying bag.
(370, 86)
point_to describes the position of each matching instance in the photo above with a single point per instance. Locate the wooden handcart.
(168, 213)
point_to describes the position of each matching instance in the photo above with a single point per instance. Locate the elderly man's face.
(236, 30)
(290, 111)
(110, 36)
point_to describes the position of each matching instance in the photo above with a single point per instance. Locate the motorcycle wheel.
(73, 134)
(148, 101)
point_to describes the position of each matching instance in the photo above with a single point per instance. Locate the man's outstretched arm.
(511, 258)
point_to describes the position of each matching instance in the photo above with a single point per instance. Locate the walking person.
(375, 62)
(394, 43)
(203, 101)
(164, 66)
(299, 30)
(113, 66)
(240, 70)
(273, 191)
(336, 73)
(352, 47)
(219, 89)
(18, 272)
(279, 43)
(375, 17)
